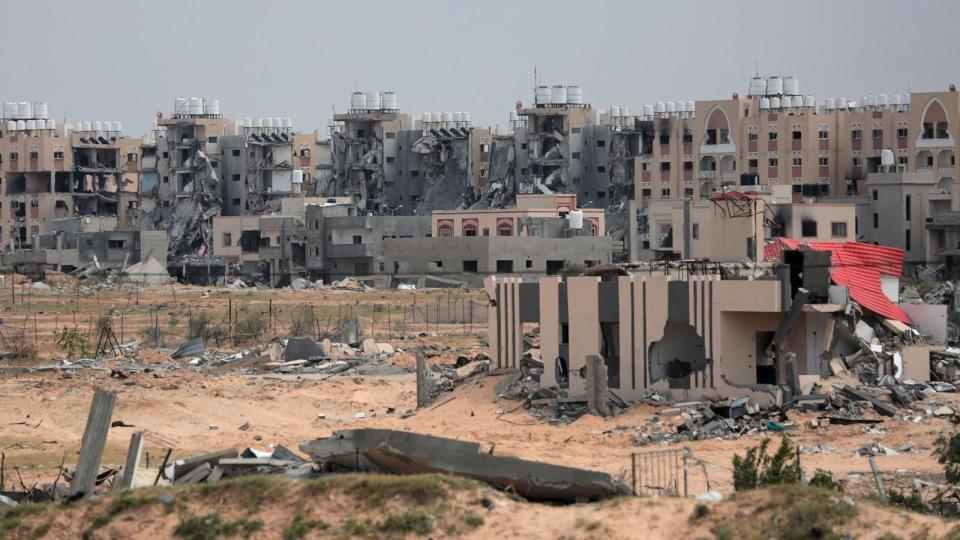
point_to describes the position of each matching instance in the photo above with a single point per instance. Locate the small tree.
(73, 341)
(17, 345)
(303, 321)
(757, 468)
(947, 451)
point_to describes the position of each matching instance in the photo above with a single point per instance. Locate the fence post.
(877, 479)
(686, 453)
(633, 471)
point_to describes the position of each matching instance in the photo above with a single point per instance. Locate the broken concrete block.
(385, 348)
(943, 411)
(369, 347)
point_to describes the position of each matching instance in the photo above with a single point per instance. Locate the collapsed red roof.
(858, 266)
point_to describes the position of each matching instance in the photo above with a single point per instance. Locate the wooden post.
(597, 385)
(270, 316)
(133, 461)
(93, 443)
(423, 387)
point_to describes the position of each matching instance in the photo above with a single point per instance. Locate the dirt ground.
(196, 409)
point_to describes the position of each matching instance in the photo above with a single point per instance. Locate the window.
(601, 194)
(58, 155)
(235, 152)
(665, 193)
(645, 192)
(505, 266)
(772, 136)
(824, 135)
(797, 135)
(752, 136)
(752, 163)
(504, 229)
(695, 231)
(664, 138)
(878, 134)
(304, 152)
(797, 162)
(14, 156)
(773, 162)
(687, 136)
(575, 155)
(575, 130)
(34, 155)
(601, 143)
(856, 134)
(470, 266)
(469, 230)
(390, 159)
(906, 209)
(236, 202)
(838, 229)
(390, 135)
(166, 154)
(524, 170)
(688, 165)
(824, 162)
(664, 165)
(876, 220)
(902, 160)
(235, 177)
(523, 146)
(528, 264)
(357, 239)
(227, 239)
(601, 169)
(857, 161)
(414, 174)
(901, 132)
(808, 227)
(166, 179)
(688, 192)
(906, 243)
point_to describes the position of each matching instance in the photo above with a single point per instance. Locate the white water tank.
(31, 125)
(791, 85)
(774, 103)
(39, 109)
(614, 111)
(758, 86)
(287, 123)
(764, 103)
(660, 107)
(867, 101)
(691, 107)
(446, 117)
(211, 106)
(24, 110)
(9, 109)
(97, 125)
(11, 125)
(358, 101)
(831, 104)
(436, 117)
(841, 103)
(798, 101)
(117, 126)
(883, 100)
(195, 106)
(466, 117)
(886, 157)
(895, 99)
(258, 122)
(575, 219)
(809, 101)
(78, 126)
(297, 177)
(671, 107)
(681, 106)
(21, 125)
(624, 110)
(574, 95)
(268, 122)
(425, 118)
(558, 95)
(51, 124)
(180, 106)
(458, 116)
(774, 86)
(542, 96)
(374, 102)
(108, 127)
(389, 101)
(648, 110)
(87, 125)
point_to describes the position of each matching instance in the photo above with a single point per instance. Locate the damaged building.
(686, 330)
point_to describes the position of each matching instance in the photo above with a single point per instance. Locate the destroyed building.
(49, 173)
(690, 329)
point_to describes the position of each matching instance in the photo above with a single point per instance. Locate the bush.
(303, 321)
(251, 326)
(16, 344)
(571, 268)
(824, 479)
(757, 468)
(911, 502)
(947, 451)
(73, 341)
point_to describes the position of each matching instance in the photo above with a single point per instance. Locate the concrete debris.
(148, 272)
(193, 347)
(302, 348)
(398, 452)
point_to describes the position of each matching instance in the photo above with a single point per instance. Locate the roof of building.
(733, 195)
(858, 266)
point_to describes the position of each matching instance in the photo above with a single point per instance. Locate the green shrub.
(947, 451)
(757, 468)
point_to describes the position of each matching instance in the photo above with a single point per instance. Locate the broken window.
(695, 231)
(906, 208)
(227, 239)
(688, 165)
(687, 136)
(528, 264)
(601, 169)
(115, 244)
(808, 227)
(772, 136)
(554, 266)
(357, 239)
(14, 156)
(601, 143)
(610, 351)
(505, 266)
(132, 157)
(470, 266)
(773, 162)
(678, 355)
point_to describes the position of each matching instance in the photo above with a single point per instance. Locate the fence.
(659, 472)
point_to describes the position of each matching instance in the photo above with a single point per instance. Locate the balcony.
(707, 175)
(728, 175)
(350, 251)
(944, 221)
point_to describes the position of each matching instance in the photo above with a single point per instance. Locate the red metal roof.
(858, 266)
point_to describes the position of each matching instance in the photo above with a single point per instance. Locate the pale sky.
(126, 60)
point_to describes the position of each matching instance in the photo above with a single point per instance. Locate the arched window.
(445, 229)
(504, 229)
(470, 227)
(935, 121)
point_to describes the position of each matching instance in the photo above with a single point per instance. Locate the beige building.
(509, 221)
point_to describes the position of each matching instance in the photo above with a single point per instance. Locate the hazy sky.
(126, 60)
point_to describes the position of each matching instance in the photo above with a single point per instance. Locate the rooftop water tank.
(97, 125)
(437, 117)
(691, 107)
(764, 103)
(425, 118)
(774, 86)
(246, 122)
(466, 117)
(358, 101)
(831, 104)
(211, 106)
(614, 111)
(514, 116)
(624, 110)
(87, 125)
(108, 127)
(574, 95)
(681, 106)
(798, 101)
(286, 122)
(867, 101)
(886, 157)
(809, 101)
(24, 110)
(9, 109)
(374, 102)
(446, 117)
(11, 125)
(258, 122)
(31, 125)
(841, 103)
(895, 99)
(883, 100)
(117, 127)
(774, 103)
(558, 95)
(458, 116)
(660, 107)
(648, 110)
(389, 101)
(40, 109)
(758, 86)
(51, 124)
(21, 125)
(791, 85)
(195, 106)
(542, 96)
(180, 106)
(671, 107)
(268, 122)
(575, 219)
